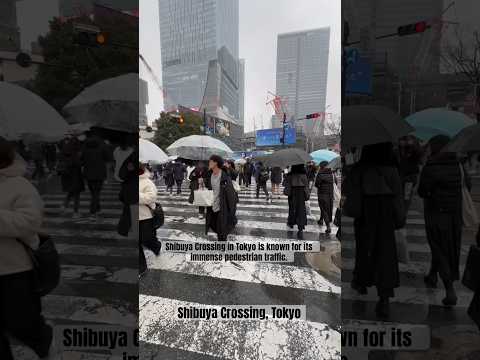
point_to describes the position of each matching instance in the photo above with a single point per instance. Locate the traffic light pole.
(204, 121)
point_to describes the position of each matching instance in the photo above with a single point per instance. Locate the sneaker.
(200, 216)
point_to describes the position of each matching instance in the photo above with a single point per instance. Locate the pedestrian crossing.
(99, 270)
(173, 281)
(413, 302)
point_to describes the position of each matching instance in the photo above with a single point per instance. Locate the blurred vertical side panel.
(411, 179)
(68, 179)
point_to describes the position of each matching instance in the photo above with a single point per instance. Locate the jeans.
(20, 315)
(95, 187)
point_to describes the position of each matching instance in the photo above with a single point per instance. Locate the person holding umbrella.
(197, 180)
(441, 189)
(221, 216)
(374, 198)
(324, 184)
(297, 190)
(147, 198)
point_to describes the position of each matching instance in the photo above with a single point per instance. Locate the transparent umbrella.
(24, 113)
(151, 153)
(199, 147)
(109, 104)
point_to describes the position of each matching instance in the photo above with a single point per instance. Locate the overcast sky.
(260, 23)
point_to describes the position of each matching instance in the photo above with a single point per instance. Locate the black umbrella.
(286, 157)
(467, 140)
(371, 124)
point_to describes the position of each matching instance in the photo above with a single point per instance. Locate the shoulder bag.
(46, 265)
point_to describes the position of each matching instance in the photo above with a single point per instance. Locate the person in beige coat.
(147, 197)
(20, 219)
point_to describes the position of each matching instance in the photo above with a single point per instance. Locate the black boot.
(362, 290)
(450, 298)
(431, 279)
(382, 309)
(300, 235)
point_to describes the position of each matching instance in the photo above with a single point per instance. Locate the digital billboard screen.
(272, 137)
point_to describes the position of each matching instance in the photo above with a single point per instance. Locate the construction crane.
(154, 78)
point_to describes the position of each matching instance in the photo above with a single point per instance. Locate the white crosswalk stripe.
(315, 338)
(99, 270)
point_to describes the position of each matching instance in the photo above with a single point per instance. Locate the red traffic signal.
(313, 116)
(410, 29)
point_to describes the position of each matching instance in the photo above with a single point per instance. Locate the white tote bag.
(203, 198)
(469, 211)
(236, 187)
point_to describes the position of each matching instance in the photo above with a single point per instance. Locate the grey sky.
(260, 23)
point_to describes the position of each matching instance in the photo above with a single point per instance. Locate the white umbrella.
(149, 152)
(110, 104)
(24, 113)
(120, 88)
(199, 147)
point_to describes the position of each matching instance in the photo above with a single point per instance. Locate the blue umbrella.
(323, 155)
(438, 121)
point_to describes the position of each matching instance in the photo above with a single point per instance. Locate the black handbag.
(46, 265)
(471, 275)
(158, 216)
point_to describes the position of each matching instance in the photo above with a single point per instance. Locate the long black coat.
(226, 219)
(440, 186)
(324, 184)
(382, 211)
(296, 188)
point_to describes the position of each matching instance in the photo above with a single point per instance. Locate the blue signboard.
(359, 77)
(272, 137)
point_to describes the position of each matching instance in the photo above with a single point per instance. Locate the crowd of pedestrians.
(378, 190)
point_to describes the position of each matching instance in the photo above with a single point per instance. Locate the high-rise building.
(142, 102)
(302, 68)
(9, 31)
(199, 40)
(241, 111)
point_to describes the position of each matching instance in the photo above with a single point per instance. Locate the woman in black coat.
(297, 190)
(441, 188)
(198, 179)
(324, 184)
(221, 220)
(374, 197)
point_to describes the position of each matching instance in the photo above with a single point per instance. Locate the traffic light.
(313, 116)
(410, 29)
